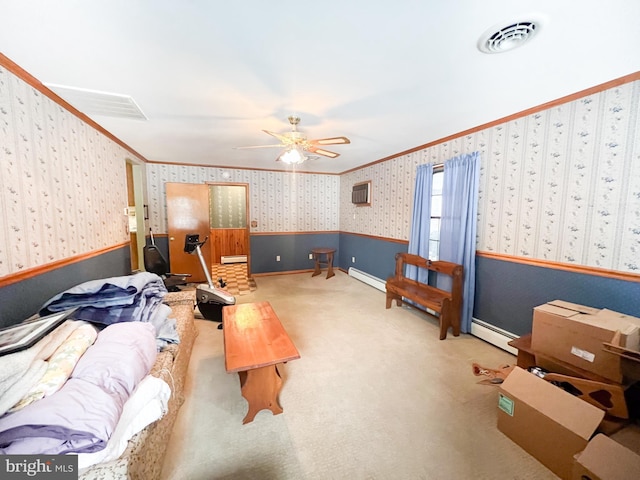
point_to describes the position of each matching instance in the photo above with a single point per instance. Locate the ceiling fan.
(295, 143)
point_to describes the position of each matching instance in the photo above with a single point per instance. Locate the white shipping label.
(588, 356)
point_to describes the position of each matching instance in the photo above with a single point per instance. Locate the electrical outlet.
(311, 256)
(353, 259)
(277, 258)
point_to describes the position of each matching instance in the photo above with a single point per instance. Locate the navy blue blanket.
(112, 300)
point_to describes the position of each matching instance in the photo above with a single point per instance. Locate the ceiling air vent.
(93, 102)
(508, 35)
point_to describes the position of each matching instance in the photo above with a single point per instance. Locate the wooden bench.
(447, 304)
(254, 343)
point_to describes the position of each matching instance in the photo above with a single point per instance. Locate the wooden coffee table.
(255, 342)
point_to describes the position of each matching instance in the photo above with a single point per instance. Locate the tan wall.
(63, 185)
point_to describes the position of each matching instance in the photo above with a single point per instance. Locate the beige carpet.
(375, 395)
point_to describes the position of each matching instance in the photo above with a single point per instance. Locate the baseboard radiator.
(370, 280)
(493, 335)
(225, 259)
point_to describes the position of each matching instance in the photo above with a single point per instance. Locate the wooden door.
(188, 213)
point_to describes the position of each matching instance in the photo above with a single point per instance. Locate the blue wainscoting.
(507, 292)
(21, 300)
(292, 248)
(374, 256)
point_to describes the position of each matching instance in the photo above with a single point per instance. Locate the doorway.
(135, 214)
(218, 211)
(230, 252)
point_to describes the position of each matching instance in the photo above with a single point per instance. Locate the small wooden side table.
(317, 254)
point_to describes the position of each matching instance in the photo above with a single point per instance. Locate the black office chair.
(155, 262)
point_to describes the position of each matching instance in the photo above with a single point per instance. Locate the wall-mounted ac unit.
(361, 193)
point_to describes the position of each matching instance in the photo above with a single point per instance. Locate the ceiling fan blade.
(283, 138)
(259, 146)
(330, 141)
(323, 152)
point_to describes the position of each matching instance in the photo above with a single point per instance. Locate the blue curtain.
(458, 224)
(420, 221)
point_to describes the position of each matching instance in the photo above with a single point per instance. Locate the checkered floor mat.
(235, 275)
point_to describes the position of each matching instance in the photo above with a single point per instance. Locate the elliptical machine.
(209, 298)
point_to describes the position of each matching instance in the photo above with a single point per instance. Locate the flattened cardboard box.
(575, 334)
(606, 459)
(549, 423)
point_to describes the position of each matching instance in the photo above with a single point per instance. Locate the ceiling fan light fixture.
(296, 146)
(293, 156)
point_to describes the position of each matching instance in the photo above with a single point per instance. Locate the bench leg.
(455, 325)
(445, 319)
(260, 387)
(443, 328)
(448, 318)
(391, 297)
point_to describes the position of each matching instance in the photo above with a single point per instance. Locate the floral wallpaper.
(561, 185)
(279, 202)
(62, 183)
(227, 206)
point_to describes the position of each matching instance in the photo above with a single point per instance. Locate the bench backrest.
(454, 270)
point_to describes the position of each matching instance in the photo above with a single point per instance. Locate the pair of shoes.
(221, 283)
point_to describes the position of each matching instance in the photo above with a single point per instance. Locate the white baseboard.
(375, 282)
(493, 335)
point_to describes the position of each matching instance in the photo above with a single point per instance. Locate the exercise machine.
(209, 298)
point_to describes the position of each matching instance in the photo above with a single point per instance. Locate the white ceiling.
(389, 75)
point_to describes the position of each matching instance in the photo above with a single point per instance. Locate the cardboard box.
(629, 359)
(575, 334)
(558, 366)
(605, 459)
(549, 423)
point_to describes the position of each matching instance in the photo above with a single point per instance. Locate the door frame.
(135, 199)
(247, 221)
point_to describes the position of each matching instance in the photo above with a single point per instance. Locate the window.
(436, 213)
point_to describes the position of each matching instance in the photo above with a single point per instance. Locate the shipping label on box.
(575, 334)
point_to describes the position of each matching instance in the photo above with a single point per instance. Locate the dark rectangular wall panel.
(507, 292)
(21, 300)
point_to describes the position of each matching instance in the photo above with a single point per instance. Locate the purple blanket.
(82, 415)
